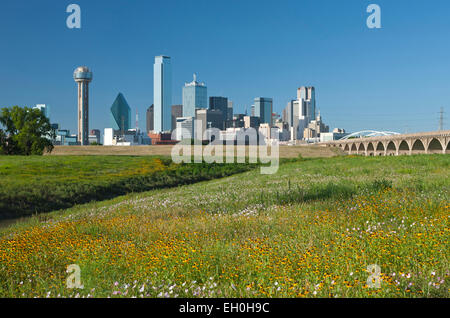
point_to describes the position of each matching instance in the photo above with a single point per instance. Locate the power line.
(441, 119)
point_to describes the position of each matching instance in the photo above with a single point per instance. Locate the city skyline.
(365, 78)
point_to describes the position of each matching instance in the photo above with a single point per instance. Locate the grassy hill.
(311, 230)
(30, 185)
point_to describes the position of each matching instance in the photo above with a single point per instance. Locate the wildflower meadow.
(333, 227)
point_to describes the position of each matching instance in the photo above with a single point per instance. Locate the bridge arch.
(435, 146)
(370, 149)
(361, 149)
(447, 149)
(418, 147)
(391, 149)
(347, 148)
(354, 149)
(403, 148)
(380, 149)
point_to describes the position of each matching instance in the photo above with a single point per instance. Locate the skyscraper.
(177, 111)
(150, 118)
(83, 76)
(44, 109)
(263, 109)
(220, 103)
(162, 94)
(121, 113)
(308, 96)
(194, 96)
(230, 110)
(209, 118)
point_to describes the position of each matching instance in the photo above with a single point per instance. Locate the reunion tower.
(83, 76)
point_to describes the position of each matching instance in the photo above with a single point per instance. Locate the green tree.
(26, 131)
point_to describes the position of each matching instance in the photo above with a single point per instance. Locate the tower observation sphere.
(83, 76)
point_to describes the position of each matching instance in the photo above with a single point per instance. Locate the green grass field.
(30, 185)
(311, 230)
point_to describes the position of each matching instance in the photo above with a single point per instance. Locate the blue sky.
(395, 78)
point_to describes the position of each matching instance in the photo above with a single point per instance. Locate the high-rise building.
(162, 94)
(207, 118)
(185, 128)
(194, 96)
(44, 109)
(308, 96)
(230, 110)
(292, 117)
(263, 109)
(220, 103)
(251, 122)
(150, 118)
(121, 114)
(177, 111)
(83, 76)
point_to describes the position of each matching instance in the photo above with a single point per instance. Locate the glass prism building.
(121, 114)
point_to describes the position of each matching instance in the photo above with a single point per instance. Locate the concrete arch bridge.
(393, 144)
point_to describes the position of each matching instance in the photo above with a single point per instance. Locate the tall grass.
(25, 191)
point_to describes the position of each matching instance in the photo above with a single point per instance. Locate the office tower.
(194, 96)
(252, 111)
(121, 114)
(291, 117)
(149, 118)
(162, 94)
(284, 114)
(290, 112)
(209, 118)
(220, 103)
(263, 109)
(83, 76)
(185, 128)
(308, 96)
(251, 122)
(44, 109)
(177, 111)
(230, 110)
